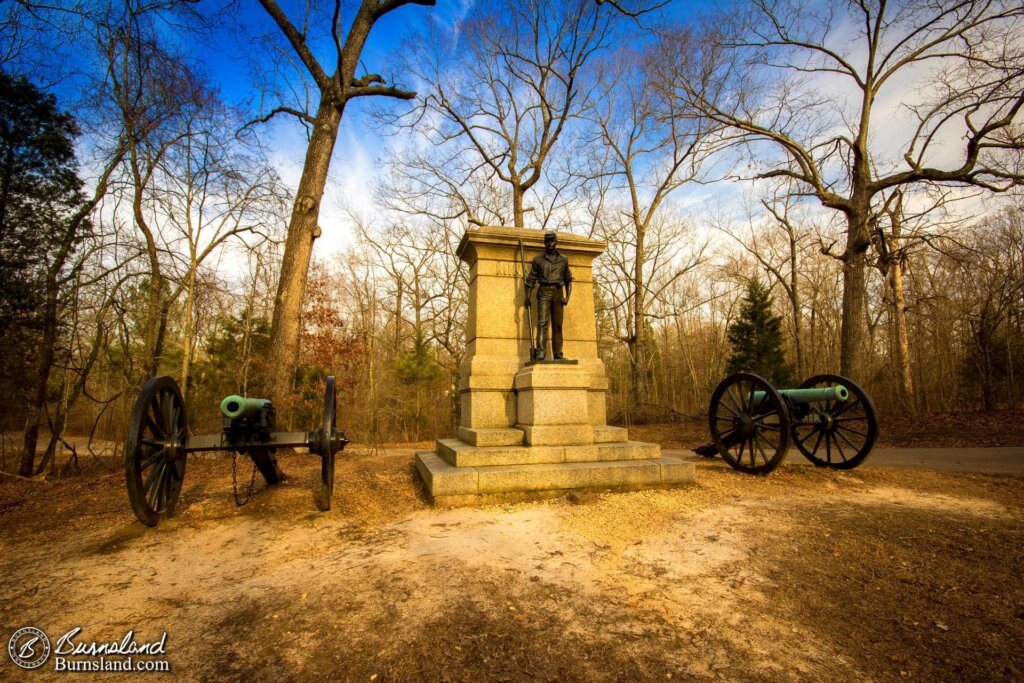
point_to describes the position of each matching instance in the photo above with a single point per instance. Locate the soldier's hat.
(550, 234)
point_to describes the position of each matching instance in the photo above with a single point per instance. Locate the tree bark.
(44, 361)
(187, 332)
(518, 217)
(794, 300)
(638, 355)
(155, 309)
(852, 347)
(298, 248)
(902, 336)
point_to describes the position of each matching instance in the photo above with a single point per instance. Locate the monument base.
(552, 361)
(459, 473)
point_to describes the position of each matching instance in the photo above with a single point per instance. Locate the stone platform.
(458, 473)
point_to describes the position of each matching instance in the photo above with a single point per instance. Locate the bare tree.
(904, 225)
(335, 90)
(213, 189)
(990, 272)
(34, 35)
(146, 97)
(654, 147)
(501, 96)
(85, 313)
(803, 89)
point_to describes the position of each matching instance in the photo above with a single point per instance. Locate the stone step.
(607, 433)
(491, 437)
(618, 450)
(461, 454)
(510, 436)
(450, 485)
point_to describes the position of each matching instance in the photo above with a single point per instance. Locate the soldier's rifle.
(529, 313)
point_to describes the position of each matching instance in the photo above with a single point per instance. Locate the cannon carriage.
(828, 418)
(159, 442)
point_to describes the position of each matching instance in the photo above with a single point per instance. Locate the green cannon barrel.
(237, 406)
(817, 395)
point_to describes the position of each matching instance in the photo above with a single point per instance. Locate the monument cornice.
(532, 239)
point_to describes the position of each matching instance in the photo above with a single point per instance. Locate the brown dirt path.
(807, 574)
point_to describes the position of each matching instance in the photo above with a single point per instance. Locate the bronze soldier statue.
(550, 274)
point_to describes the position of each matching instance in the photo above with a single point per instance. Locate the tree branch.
(379, 90)
(298, 43)
(385, 6)
(301, 115)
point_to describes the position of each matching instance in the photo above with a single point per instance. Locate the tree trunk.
(984, 337)
(398, 315)
(298, 249)
(638, 355)
(61, 418)
(152, 321)
(44, 362)
(50, 454)
(186, 342)
(852, 349)
(986, 383)
(902, 336)
(812, 329)
(156, 304)
(518, 218)
(157, 352)
(794, 300)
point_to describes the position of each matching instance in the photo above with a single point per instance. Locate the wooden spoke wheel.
(327, 447)
(837, 434)
(155, 450)
(749, 423)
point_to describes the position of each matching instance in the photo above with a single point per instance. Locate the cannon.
(159, 442)
(829, 419)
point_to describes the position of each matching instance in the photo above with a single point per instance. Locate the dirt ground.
(803, 575)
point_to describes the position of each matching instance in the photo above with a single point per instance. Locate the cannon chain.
(829, 418)
(158, 444)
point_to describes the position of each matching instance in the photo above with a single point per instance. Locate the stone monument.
(533, 429)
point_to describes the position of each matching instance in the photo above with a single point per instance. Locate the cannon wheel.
(751, 438)
(327, 447)
(155, 450)
(847, 430)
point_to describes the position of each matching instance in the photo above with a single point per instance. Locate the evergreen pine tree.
(39, 191)
(756, 339)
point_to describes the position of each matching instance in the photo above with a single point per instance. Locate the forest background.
(862, 160)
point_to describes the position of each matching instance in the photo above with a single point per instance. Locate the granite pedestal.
(533, 429)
